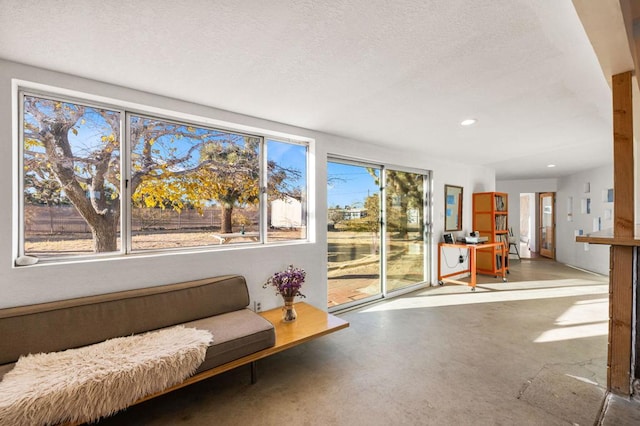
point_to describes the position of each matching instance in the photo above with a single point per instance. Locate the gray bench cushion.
(56, 326)
(235, 335)
(4, 369)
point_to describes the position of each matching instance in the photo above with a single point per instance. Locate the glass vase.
(288, 310)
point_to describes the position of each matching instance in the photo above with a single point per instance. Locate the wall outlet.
(257, 306)
(461, 259)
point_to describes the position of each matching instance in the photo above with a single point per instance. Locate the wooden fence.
(66, 219)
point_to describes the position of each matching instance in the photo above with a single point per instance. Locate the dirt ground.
(52, 245)
(355, 277)
(351, 280)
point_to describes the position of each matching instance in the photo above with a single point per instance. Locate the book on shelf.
(500, 203)
(501, 223)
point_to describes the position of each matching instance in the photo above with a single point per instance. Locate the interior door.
(547, 221)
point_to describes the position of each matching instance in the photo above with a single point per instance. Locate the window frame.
(126, 109)
(129, 205)
(305, 206)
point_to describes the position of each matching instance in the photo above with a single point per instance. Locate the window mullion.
(126, 218)
(20, 183)
(264, 196)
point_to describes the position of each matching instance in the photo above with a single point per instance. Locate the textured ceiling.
(400, 73)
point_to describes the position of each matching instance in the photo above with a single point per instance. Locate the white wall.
(46, 282)
(471, 182)
(596, 258)
(530, 236)
(533, 220)
(514, 188)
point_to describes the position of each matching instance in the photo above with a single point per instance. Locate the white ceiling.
(401, 73)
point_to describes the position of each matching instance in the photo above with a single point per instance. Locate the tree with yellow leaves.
(172, 165)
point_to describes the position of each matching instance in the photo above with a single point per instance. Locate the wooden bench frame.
(311, 324)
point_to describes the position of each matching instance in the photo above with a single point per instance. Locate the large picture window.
(71, 178)
(201, 186)
(181, 184)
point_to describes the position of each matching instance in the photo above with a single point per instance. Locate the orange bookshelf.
(490, 212)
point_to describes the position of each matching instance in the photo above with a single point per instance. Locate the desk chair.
(514, 243)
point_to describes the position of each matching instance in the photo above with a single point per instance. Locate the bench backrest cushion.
(72, 323)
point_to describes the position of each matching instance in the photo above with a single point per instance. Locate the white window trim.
(127, 108)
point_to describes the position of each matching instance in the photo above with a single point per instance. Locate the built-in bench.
(218, 305)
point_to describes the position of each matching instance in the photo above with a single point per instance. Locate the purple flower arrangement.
(288, 282)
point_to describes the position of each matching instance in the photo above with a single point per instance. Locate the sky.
(86, 138)
(349, 185)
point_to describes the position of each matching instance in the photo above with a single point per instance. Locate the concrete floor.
(619, 411)
(528, 352)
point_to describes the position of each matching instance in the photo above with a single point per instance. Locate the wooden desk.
(472, 262)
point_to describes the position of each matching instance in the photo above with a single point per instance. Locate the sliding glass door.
(376, 233)
(405, 229)
(353, 234)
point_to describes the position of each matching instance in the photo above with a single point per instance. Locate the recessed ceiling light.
(551, 165)
(468, 122)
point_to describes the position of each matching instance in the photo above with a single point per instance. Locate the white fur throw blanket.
(85, 384)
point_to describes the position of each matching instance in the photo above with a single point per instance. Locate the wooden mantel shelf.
(606, 237)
